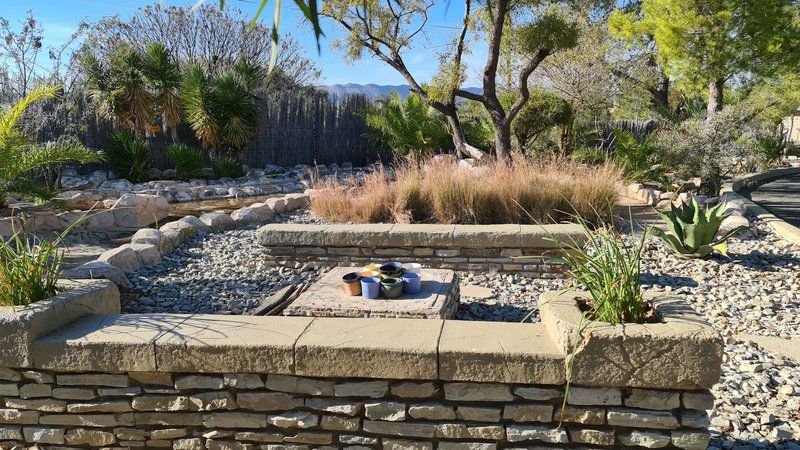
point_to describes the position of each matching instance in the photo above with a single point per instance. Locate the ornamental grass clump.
(441, 191)
(29, 269)
(608, 267)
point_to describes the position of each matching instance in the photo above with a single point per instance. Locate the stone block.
(85, 436)
(650, 399)
(465, 446)
(212, 401)
(234, 420)
(538, 393)
(256, 436)
(338, 423)
(113, 406)
(463, 431)
(300, 385)
(89, 379)
(371, 389)
(417, 235)
(431, 411)
(690, 440)
(43, 435)
(575, 414)
(477, 392)
(243, 381)
(391, 411)
(243, 344)
(199, 382)
(357, 440)
(37, 404)
(694, 419)
(88, 420)
(591, 436)
(33, 390)
(161, 403)
(268, 401)
(10, 433)
(645, 438)
(402, 429)
(178, 232)
(702, 400)
(148, 254)
(74, 393)
(410, 389)
(479, 413)
(498, 352)
(545, 433)
(152, 378)
(357, 235)
(349, 408)
(403, 444)
(641, 418)
(170, 419)
(293, 419)
(38, 376)
(598, 396)
(16, 416)
(119, 392)
(682, 352)
(369, 348)
(528, 412)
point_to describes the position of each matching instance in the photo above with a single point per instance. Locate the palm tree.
(406, 127)
(20, 157)
(223, 110)
(164, 76)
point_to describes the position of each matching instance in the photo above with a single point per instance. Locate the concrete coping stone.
(419, 235)
(20, 326)
(683, 351)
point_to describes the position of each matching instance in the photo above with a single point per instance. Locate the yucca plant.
(187, 161)
(21, 158)
(128, 156)
(228, 168)
(693, 231)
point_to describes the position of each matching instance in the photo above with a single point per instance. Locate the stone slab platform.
(326, 298)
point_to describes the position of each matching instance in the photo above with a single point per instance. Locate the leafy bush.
(21, 159)
(407, 126)
(442, 192)
(608, 267)
(542, 112)
(128, 157)
(187, 161)
(693, 232)
(228, 168)
(30, 269)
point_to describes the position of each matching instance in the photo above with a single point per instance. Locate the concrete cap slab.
(499, 352)
(291, 234)
(681, 352)
(369, 348)
(420, 235)
(235, 344)
(21, 325)
(547, 236)
(356, 235)
(487, 236)
(105, 343)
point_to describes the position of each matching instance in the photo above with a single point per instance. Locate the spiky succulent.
(693, 230)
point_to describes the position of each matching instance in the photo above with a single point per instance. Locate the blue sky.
(60, 17)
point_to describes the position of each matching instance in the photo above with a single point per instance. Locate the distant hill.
(373, 91)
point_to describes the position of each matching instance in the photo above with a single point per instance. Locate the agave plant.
(693, 231)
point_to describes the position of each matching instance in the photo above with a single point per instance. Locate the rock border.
(149, 245)
(731, 189)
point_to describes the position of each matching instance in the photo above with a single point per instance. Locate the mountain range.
(373, 91)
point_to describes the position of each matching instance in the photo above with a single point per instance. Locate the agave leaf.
(675, 227)
(671, 240)
(730, 234)
(721, 248)
(693, 236)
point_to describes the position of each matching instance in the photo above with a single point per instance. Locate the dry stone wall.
(457, 247)
(248, 411)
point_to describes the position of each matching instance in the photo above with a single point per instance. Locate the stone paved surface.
(781, 197)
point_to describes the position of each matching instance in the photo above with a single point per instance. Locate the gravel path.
(754, 291)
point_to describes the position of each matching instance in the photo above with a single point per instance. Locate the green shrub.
(129, 157)
(693, 232)
(187, 161)
(228, 168)
(541, 113)
(30, 269)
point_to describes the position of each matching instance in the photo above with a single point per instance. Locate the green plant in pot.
(692, 231)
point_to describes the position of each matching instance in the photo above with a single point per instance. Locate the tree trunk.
(715, 89)
(463, 149)
(502, 140)
(565, 142)
(660, 94)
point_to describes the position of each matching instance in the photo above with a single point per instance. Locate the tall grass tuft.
(30, 269)
(439, 191)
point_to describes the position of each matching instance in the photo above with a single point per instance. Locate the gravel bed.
(754, 291)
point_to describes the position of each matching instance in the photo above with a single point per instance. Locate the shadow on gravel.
(765, 262)
(480, 311)
(665, 279)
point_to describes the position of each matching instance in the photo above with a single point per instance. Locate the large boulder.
(153, 237)
(98, 269)
(178, 231)
(277, 204)
(253, 214)
(202, 228)
(218, 221)
(139, 210)
(123, 258)
(147, 254)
